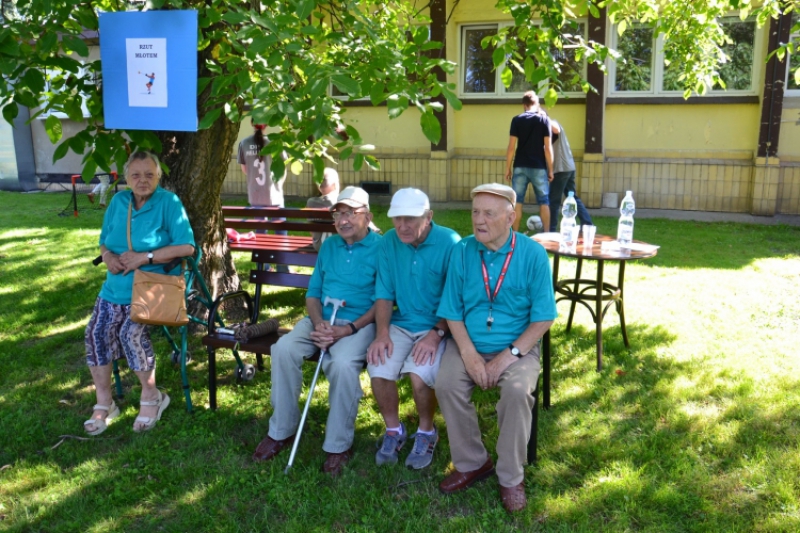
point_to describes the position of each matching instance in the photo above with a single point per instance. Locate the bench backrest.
(297, 219)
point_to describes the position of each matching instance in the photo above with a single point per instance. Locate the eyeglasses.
(345, 215)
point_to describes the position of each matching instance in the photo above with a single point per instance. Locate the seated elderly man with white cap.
(412, 266)
(498, 302)
(345, 270)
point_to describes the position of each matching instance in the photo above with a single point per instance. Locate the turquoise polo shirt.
(346, 273)
(162, 221)
(526, 295)
(413, 278)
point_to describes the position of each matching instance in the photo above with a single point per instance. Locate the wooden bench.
(289, 250)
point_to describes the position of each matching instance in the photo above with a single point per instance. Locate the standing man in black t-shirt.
(530, 147)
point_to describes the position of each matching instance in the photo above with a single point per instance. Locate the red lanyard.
(500, 279)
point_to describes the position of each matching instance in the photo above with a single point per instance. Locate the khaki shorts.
(401, 362)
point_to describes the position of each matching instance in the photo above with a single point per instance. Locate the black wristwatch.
(439, 331)
(150, 257)
(514, 350)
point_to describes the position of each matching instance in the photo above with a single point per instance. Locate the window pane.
(570, 67)
(518, 82)
(479, 73)
(794, 62)
(636, 47)
(737, 73)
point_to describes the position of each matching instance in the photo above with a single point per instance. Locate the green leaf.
(234, 17)
(622, 26)
(53, 128)
(304, 8)
(46, 43)
(34, 80)
(550, 97)
(377, 93)
(278, 167)
(344, 154)
(498, 57)
(86, 17)
(10, 112)
(296, 167)
(431, 127)
(319, 169)
(396, 105)
(262, 43)
(75, 44)
(202, 83)
(372, 162)
(89, 170)
(60, 151)
(210, 118)
(452, 99)
(528, 66)
(358, 162)
(594, 11)
(25, 97)
(346, 85)
(507, 76)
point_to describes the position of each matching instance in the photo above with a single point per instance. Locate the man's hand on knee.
(424, 351)
(380, 350)
(476, 368)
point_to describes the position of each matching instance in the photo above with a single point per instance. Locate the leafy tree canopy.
(272, 60)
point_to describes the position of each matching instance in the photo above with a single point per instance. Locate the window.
(792, 87)
(480, 79)
(644, 73)
(479, 74)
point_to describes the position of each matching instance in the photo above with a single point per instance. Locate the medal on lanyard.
(492, 296)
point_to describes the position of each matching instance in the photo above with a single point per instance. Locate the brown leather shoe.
(461, 480)
(513, 497)
(336, 461)
(269, 448)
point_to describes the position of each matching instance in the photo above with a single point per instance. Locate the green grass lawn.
(695, 428)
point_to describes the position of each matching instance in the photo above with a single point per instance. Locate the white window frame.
(658, 68)
(500, 90)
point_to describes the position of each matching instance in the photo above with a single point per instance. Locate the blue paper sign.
(149, 62)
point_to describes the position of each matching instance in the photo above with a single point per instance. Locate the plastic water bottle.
(568, 213)
(625, 226)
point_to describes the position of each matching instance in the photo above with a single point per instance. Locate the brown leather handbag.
(157, 299)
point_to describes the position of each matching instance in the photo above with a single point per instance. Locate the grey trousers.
(454, 389)
(342, 366)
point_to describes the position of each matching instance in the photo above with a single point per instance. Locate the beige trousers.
(454, 391)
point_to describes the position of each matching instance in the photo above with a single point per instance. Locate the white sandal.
(150, 422)
(101, 424)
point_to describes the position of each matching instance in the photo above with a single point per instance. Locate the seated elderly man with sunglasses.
(346, 269)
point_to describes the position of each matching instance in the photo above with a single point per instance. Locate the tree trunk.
(198, 163)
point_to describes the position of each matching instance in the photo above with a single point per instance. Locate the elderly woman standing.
(159, 232)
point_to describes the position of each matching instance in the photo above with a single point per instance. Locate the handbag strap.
(130, 211)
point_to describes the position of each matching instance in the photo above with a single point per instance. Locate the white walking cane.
(336, 305)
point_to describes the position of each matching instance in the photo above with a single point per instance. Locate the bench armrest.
(212, 317)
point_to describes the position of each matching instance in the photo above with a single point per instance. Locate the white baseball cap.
(409, 203)
(355, 197)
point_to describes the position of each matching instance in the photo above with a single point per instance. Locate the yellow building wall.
(695, 130)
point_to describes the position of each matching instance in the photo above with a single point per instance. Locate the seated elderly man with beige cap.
(498, 302)
(345, 270)
(409, 340)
